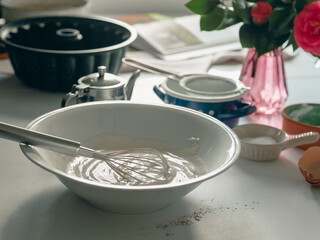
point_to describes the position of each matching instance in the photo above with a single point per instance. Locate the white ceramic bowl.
(219, 147)
(264, 143)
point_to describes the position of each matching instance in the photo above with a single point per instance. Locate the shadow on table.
(9, 81)
(283, 173)
(63, 215)
(21, 102)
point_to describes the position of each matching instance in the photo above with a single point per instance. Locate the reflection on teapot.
(100, 86)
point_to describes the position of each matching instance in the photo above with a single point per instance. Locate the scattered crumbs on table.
(168, 227)
(198, 215)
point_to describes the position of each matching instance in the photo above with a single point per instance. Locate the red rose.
(261, 13)
(307, 28)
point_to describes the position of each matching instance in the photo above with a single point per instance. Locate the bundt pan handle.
(52, 53)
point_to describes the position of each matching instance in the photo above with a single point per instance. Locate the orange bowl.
(301, 118)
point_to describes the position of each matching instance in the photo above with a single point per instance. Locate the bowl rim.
(27, 150)
(209, 98)
(286, 117)
(6, 28)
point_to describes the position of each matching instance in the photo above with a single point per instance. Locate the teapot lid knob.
(104, 78)
(101, 70)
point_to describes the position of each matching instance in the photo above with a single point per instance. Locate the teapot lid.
(102, 79)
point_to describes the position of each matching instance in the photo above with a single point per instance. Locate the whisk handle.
(42, 140)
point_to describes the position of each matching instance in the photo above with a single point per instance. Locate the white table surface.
(251, 200)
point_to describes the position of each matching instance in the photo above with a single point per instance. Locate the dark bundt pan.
(52, 53)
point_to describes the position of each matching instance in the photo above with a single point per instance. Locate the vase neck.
(272, 53)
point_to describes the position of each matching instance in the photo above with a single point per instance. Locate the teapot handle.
(77, 91)
(67, 98)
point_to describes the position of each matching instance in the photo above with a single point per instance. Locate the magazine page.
(181, 38)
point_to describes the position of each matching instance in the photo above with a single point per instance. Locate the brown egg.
(309, 165)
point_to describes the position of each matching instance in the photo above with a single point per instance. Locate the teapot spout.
(130, 85)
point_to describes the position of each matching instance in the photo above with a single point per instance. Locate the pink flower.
(307, 28)
(261, 13)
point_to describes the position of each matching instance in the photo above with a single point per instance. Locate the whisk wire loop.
(141, 165)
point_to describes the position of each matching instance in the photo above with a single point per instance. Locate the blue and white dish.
(226, 107)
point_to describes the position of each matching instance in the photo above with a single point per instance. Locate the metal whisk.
(134, 166)
(138, 165)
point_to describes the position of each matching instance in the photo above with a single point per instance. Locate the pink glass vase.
(265, 75)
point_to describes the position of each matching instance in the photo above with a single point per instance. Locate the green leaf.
(276, 17)
(242, 10)
(213, 20)
(287, 1)
(281, 20)
(264, 43)
(292, 42)
(202, 7)
(229, 20)
(260, 39)
(246, 34)
(299, 4)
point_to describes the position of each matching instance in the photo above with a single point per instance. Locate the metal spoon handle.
(151, 68)
(42, 140)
